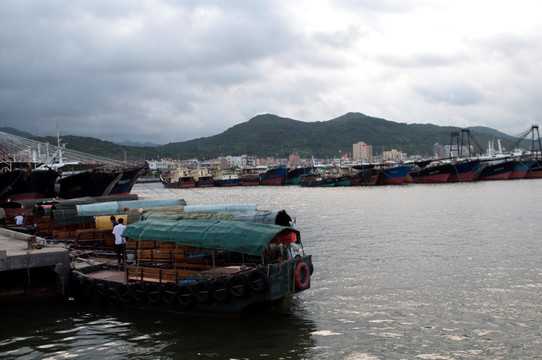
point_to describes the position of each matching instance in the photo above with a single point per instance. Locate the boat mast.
(533, 128)
(59, 146)
(454, 135)
(467, 131)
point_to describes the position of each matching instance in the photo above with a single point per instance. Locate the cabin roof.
(244, 237)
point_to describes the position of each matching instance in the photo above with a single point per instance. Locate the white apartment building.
(362, 151)
(162, 165)
(394, 154)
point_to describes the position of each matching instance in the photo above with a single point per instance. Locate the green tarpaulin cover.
(244, 237)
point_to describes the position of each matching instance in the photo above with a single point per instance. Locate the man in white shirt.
(120, 241)
(19, 219)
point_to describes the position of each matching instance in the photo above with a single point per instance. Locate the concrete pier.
(30, 268)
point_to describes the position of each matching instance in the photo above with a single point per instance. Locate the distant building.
(294, 160)
(362, 151)
(440, 151)
(227, 162)
(394, 154)
(271, 161)
(162, 165)
(249, 161)
(459, 151)
(216, 163)
(447, 151)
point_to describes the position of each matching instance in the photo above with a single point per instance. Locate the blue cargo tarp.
(118, 207)
(244, 237)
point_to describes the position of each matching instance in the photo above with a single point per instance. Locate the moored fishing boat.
(274, 176)
(91, 182)
(251, 176)
(498, 169)
(11, 181)
(200, 266)
(23, 184)
(316, 179)
(127, 180)
(180, 179)
(311, 180)
(292, 176)
(367, 174)
(394, 175)
(342, 180)
(465, 170)
(521, 168)
(535, 171)
(434, 172)
(202, 177)
(224, 177)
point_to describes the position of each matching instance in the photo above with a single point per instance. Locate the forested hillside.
(271, 135)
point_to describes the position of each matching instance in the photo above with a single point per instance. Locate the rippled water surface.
(447, 271)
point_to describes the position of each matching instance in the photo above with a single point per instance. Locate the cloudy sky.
(166, 71)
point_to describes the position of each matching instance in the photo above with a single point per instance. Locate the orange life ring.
(302, 276)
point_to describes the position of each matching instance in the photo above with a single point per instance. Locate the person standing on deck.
(120, 241)
(19, 219)
(2, 217)
(283, 219)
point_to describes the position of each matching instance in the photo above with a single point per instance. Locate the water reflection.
(77, 330)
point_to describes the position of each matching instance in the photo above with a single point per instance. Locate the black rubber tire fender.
(139, 292)
(238, 286)
(113, 296)
(258, 281)
(124, 293)
(169, 293)
(100, 292)
(220, 290)
(202, 291)
(185, 295)
(154, 293)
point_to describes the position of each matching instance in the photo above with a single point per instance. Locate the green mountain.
(271, 135)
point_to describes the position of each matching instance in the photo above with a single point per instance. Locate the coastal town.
(360, 166)
(35, 169)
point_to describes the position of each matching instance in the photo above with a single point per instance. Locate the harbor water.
(444, 271)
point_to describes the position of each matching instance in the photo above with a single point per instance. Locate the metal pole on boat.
(125, 265)
(214, 266)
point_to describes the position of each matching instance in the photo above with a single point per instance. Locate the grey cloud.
(100, 63)
(340, 39)
(385, 6)
(427, 59)
(453, 93)
(166, 70)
